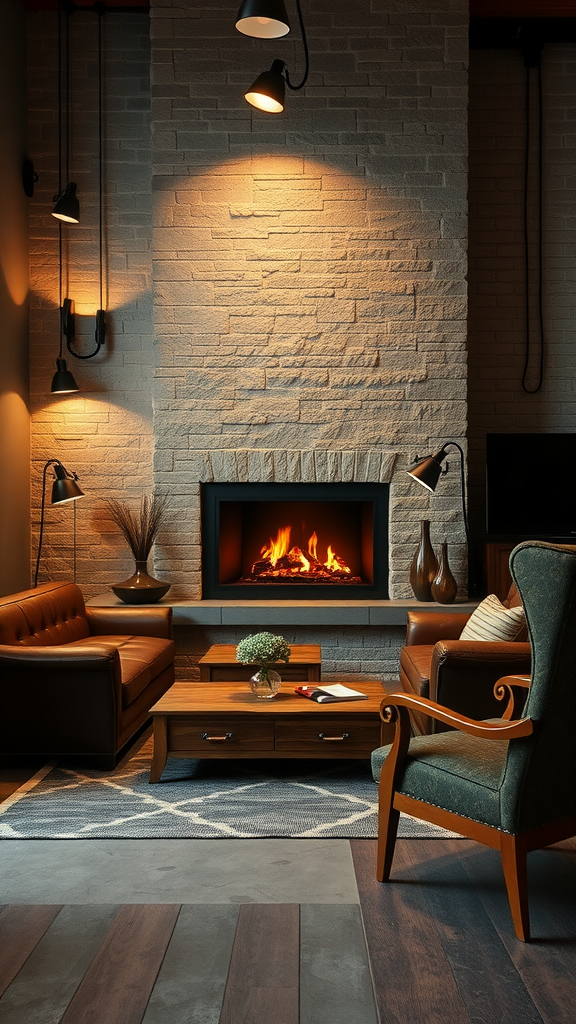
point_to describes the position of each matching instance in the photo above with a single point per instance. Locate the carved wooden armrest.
(505, 685)
(501, 730)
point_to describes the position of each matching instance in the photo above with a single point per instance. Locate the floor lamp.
(64, 488)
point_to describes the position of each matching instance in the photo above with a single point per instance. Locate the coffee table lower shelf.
(225, 720)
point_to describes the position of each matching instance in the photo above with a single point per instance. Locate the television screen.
(531, 486)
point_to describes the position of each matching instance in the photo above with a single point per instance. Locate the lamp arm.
(462, 480)
(305, 42)
(51, 462)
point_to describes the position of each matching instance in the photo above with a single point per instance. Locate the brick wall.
(104, 432)
(309, 269)
(497, 401)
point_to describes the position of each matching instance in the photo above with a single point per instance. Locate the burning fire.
(279, 559)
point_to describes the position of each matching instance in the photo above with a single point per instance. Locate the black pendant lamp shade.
(263, 19)
(63, 382)
(67, 207)
(268, 91)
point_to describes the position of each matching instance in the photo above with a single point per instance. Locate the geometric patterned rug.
(201, 799)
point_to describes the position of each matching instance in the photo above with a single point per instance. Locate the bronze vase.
(444, 586)
(424, 566)
(141, 588)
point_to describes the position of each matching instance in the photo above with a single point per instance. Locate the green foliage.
(263, 649)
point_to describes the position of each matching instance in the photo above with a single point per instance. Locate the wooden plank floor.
(441, 941)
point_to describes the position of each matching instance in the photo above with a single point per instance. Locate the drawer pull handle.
(333, 739)
(216, 739)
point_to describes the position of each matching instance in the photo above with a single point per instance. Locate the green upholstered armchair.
(510, 785)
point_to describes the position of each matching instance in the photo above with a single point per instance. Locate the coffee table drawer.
(334, 732)
(201, 735)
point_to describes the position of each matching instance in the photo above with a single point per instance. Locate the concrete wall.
(14, 416)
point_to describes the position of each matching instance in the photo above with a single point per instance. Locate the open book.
(326, 694)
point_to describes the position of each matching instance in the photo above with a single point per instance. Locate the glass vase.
(265, 683)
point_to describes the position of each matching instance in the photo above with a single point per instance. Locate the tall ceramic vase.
(444, 586)
(424, 566)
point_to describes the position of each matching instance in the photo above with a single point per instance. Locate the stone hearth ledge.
(291, 613)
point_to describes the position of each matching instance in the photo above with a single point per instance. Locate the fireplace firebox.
(295, 541)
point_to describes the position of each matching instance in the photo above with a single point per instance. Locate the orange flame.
(333, 563)
(279, 547)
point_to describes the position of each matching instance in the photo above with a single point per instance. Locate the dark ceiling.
(478, 8)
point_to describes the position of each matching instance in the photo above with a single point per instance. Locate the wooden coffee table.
(219, 665)
(226, 720)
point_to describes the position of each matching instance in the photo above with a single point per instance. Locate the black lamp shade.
(263, 19)
(268, 91)
(63, 382)
(64, 487)
(427, 472)
(67, 207)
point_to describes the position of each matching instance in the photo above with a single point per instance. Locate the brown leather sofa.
(76, 681)
(460, 674)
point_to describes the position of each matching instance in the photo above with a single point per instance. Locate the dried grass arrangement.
(140, 526)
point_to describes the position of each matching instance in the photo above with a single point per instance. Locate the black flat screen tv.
(531, 486)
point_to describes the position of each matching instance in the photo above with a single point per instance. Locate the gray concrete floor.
(177, 871)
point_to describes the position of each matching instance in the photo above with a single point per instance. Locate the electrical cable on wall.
(100, 331)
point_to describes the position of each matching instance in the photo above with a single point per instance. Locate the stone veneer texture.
(309, 268)
(303, 288)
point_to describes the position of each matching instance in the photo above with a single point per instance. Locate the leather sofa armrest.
(60, 700)
(138, 620)
(463, 673)
(497, 652)
(424, 627)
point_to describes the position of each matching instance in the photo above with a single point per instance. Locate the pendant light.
(67, 207)
(263, 19)
(267, 92)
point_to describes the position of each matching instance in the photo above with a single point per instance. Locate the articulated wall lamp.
(427, 472)
(267, 92)
(263, 19)
(64, 488)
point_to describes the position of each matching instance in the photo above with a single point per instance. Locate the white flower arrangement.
(263, 649)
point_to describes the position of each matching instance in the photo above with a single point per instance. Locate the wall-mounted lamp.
(427, 472)
(267, 92)
(263, 19)
(67, 208)
(64, 488)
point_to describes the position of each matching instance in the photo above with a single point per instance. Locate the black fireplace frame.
(213, 494)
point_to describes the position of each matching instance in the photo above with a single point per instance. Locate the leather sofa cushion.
(416, 662)
(142, 659)
(49, 614)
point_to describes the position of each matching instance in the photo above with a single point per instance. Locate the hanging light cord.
(527, 352)
(307, 65)
(100, 324)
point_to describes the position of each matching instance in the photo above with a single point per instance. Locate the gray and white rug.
(201, 800)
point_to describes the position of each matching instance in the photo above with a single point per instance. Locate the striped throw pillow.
(492, 621)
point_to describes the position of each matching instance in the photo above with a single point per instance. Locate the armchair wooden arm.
(505, 730)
